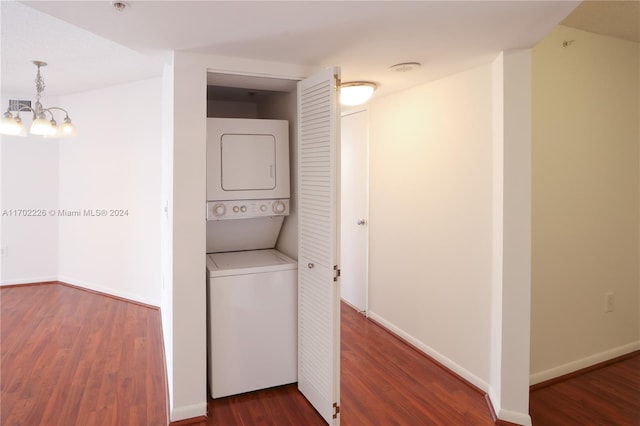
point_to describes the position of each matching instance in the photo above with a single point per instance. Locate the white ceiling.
(78, 60)
(88, 44)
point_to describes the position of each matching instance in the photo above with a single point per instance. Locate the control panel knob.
(236, 209)
(219, 210)
(243, 209)
(263, 208)
(279, 207)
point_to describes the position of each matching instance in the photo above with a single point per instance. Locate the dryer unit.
(247, 159)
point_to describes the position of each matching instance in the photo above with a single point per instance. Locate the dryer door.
(248, 162)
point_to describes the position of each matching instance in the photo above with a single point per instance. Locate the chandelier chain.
(39, 84)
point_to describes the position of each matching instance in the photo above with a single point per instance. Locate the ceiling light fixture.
(354, 93)
(41, 125)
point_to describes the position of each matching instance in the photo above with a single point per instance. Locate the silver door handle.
(362, 222)
(310, 265)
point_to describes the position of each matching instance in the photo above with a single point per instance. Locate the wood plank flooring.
(384, 382)
(607, 396)
(72, 357)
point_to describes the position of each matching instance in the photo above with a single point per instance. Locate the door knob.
(310, 265)
(362, 222)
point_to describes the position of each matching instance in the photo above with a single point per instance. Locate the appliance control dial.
(219, 210)
(246, 209)
(279, 207)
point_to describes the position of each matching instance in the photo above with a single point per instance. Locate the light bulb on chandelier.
(42, 124)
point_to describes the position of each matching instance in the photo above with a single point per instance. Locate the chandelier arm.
(58, 108)
(22, 107)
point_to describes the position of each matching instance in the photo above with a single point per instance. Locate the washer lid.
(248, 262)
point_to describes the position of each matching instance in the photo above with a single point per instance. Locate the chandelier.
(41, 124)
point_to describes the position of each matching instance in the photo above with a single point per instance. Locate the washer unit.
(252, 321)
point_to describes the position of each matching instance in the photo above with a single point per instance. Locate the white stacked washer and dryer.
(251, 287)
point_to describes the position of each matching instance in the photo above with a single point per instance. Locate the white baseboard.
(581, 363)
(507, 415)
(28, 280)
(107, 290)
(84, 284)
(459, 370)
(514, 417)
(188, 411)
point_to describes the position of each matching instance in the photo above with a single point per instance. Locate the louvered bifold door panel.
(318, 293)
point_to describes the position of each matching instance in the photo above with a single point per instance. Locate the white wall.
(586, 184)
(29, 180)
(511, 254)
(430, 229)
(188, 249)
(166, 233)
(113, 164)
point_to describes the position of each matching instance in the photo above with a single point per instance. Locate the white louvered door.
(318, 248)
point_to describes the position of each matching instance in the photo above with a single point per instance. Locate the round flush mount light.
(354, 93)
(405, 66)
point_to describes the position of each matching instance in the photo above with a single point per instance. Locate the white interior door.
(354, 190)
(318, 248)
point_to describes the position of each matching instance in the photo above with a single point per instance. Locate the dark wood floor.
(606, 396)
(384, 382)
(72, 357)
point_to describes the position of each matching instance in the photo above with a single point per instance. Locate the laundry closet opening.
(252, 277)
(272, 202)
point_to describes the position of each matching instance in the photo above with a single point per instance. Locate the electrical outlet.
(608, 302)
(4, 251)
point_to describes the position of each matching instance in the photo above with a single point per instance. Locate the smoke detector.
(405, 66)
(119, 6)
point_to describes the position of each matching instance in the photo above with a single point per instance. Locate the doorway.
(354, 199)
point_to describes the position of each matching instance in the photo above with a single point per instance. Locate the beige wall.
(586, 185)
(449, 240)
(430, 218)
